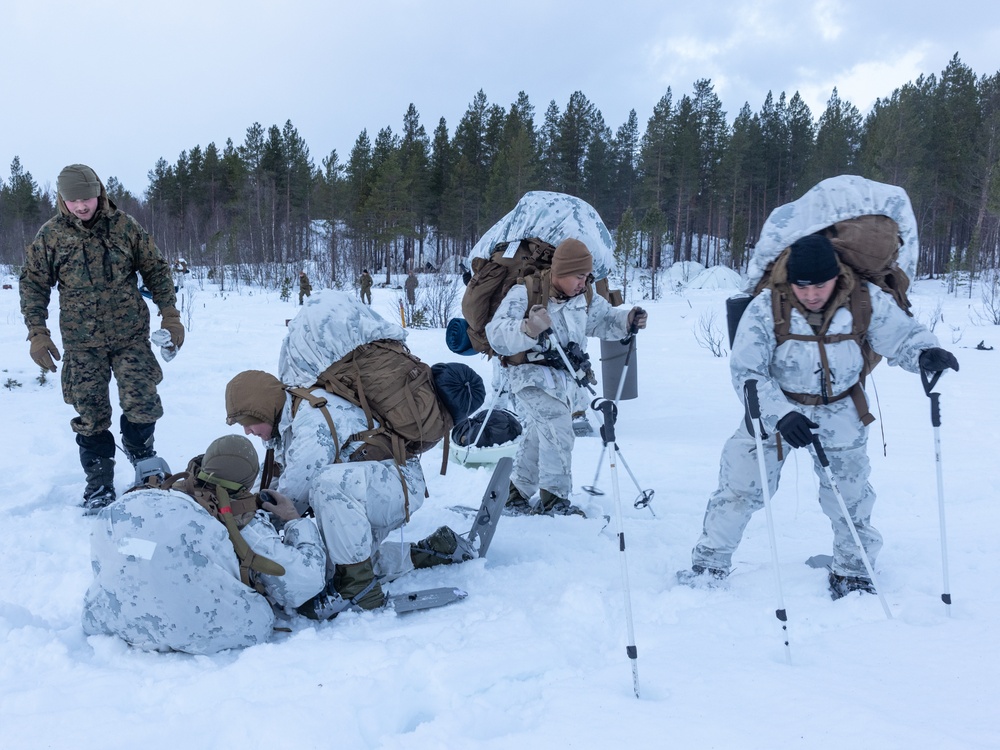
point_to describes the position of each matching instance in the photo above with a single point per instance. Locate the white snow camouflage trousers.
(545, 455)
(357, 506)
(739, 496)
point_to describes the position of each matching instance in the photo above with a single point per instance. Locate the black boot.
(97, 458)
(137, 440)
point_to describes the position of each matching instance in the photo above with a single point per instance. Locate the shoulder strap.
(317, 402)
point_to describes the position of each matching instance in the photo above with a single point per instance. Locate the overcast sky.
(118, 85)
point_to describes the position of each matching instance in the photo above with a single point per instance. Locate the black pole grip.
(751, 407)
(820, 453)
(609, 411)
(929, 379)
(935, 409)
(750, 396)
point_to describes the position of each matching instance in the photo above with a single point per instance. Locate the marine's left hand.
(637, 318)
(171, 321)
(936, 359)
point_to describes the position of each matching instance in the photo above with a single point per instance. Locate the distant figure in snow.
(410, 286)
(365, 283)
(305, 288)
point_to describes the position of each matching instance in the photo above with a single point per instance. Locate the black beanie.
(459, 387)
(812, 260)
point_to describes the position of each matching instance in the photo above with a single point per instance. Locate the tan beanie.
(254, 397)
(78, 182)
(571, 258)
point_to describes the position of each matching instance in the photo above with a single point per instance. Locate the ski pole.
(825, 463)
(752, 404)
(592, 489)
(929, 381)
(610, 413)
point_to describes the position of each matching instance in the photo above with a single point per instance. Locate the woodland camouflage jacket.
(95, 270)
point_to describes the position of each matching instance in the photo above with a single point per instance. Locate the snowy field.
(535, 656)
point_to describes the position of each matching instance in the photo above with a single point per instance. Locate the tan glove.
(43, 351)
(171, 322)
(637, 317)
(538, 320)
(280, 505)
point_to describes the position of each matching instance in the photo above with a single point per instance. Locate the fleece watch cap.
(812, 260)
(78, 182)
(571, 258)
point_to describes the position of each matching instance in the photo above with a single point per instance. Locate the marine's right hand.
(280, 505)
(43, 351)
(796, 429)
(538, 320)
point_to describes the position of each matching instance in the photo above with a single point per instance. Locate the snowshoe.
(97, 498)
(443, 547)
(485, 524)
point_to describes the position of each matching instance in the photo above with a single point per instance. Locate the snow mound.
(716, 277)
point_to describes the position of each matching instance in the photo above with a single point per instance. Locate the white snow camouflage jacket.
(166, 576)
(329, 326)
(572, 320)
(794, 366)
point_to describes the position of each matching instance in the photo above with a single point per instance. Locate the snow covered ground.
(535, 657)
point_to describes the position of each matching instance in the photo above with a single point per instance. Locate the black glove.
(937, 359)
(795, 429)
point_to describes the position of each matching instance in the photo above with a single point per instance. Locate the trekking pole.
(630, 341)
(592, 489)
(752, 404)
(825, 463)
(610, 412)
(645, 496)
(929, 381)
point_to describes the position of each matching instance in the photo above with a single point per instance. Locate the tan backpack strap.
(248, 559)
(317, 402)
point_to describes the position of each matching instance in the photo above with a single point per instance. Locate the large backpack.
(868, 246)
(528, 263)
(493, 277)
(393, 388)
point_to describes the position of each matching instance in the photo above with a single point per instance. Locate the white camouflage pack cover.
(329, 326)
(830, 201)
(552, 217)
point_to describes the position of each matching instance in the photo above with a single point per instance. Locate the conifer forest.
(694, 182)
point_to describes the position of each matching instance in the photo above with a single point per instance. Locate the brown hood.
(255, 397)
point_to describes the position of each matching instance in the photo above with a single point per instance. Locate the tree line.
(690, 186)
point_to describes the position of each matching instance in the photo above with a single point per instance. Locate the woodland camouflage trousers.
(86, 381)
